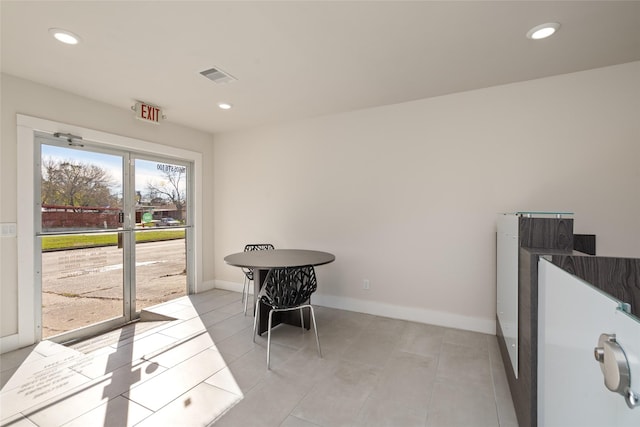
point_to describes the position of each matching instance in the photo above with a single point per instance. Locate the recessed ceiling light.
(224, 106)
(64, 36)
(543, 31)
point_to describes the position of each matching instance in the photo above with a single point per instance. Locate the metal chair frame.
(281, 309)
(248, 272)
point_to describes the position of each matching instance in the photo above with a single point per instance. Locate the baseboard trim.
(207, 286)
(9, 343)
(413, 314)
(231, 286)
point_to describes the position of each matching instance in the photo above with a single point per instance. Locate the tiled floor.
(203, 368)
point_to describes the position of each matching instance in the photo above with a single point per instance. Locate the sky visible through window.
(146, 171)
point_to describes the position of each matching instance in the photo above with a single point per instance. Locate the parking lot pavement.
(84, 286)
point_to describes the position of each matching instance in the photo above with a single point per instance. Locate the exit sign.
(148, 112)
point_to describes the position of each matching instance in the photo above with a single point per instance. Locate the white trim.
(9, 343)
(231, 286)
(207, 286)
(27, 126)
(26, 237)
(411, 314)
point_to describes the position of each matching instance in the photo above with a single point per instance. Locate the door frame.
(29, 268)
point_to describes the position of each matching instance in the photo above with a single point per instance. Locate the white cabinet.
(571, 317)
(507, 284)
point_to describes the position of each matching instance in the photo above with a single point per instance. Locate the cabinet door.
(507, 284)
(571, 389)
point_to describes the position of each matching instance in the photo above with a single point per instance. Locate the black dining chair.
(286, 289)
(248, 272)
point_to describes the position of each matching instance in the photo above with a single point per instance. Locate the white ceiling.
(299, 59)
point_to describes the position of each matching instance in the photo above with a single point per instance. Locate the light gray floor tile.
(182, 350)
(304, 370)
(292, 421)
(467, 338)
(335, 337)
(95, 361)
(185, 328)
(32, 365)
(280, 354)
(230, 327)
(204, 305)
(120, 337)
(48, 348)
(267, 404)
(307, 365)
(17, 421)
(462, 405)
(337, 399)
(236, 345)
(382, 412)
(385, 325)
(422, 339)
(292, 336)
(165, 387)
(464, 364)
(326, 314)
(408, 379)
(180, 312)
(16, 358)
(40, 381)
(117, 412)
(251, 368)
(216, 316)
(236, 307)
(225, 379)
(197, 407)
(371, 348)
(88, 397)
(6, 375)
(374, 371)
(138, 347)
(351, 320)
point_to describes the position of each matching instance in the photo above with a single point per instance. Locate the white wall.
(24, 97)
(406, 195)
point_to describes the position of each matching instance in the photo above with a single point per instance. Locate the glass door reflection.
(81, 214)
(160, 236)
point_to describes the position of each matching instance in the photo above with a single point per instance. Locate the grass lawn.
(75, 241)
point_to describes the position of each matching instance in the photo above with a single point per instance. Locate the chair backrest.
(258, 247)
(288, 287)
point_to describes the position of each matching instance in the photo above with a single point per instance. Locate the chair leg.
(244, 285)
(315, 328)
(302, 320)
(255, 320)
(246, 296)
(269, 341)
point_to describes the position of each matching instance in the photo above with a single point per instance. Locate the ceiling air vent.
(218, 76)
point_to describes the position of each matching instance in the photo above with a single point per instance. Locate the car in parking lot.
(168, 221)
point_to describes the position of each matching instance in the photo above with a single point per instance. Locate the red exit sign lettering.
(147, 112)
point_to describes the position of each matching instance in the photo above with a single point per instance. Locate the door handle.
(615, 368)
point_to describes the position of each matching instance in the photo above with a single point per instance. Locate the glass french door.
(112, 227)
(160, 236)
